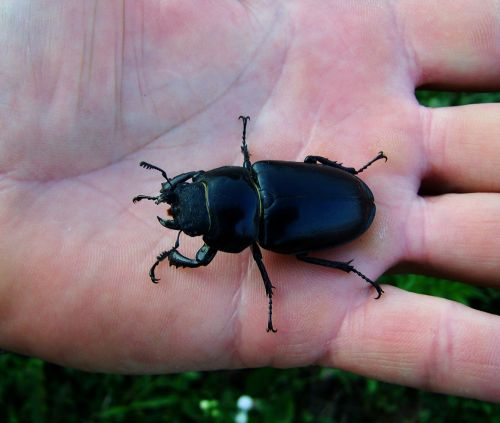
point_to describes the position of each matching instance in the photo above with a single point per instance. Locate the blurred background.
(32, 390)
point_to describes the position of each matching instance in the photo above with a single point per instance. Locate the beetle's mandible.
(285, 207)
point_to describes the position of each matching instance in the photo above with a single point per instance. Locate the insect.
(282, 206)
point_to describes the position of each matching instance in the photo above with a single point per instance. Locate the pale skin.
(88, 90)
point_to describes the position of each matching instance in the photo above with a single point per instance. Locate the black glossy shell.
(233, 206)
(308, 207)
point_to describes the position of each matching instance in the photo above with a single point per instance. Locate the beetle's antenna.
(146, 165)
(244, 147)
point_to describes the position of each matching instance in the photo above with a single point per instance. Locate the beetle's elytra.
(285, 207)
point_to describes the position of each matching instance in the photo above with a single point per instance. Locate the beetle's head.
(188, 206)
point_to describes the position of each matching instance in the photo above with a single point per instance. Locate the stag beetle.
(285, 207)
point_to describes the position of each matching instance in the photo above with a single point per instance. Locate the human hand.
(89, 90)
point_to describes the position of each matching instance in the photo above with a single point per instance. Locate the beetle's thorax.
(233, 207)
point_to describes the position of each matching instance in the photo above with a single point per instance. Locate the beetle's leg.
(380, 155)
(330, 163)
(244, 148)
(344, 266)
(162, 256)
(144, 197)
(203, 257)
(257, 255)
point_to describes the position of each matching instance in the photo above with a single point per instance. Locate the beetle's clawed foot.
(270, 328)
(154, 279)
(380, 291)
(159, 259)
(378, 288)
(347, 267)
(381, 155)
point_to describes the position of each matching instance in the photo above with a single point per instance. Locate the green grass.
(34, 391)
(458, 98)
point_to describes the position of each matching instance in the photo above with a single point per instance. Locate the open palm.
(89, 90)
